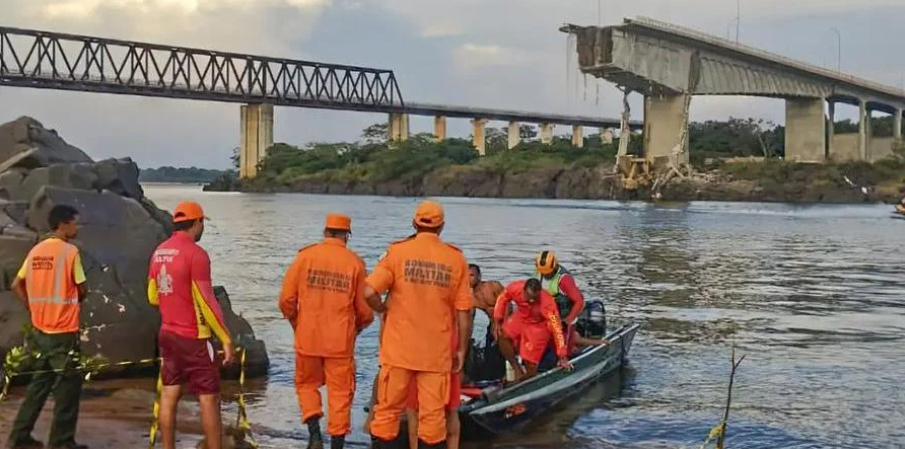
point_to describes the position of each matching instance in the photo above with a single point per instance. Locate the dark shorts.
(190, 362)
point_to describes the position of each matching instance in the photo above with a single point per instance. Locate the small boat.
(900, 208)
(493, 409)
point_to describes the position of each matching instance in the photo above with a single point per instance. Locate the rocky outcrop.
(120, 230)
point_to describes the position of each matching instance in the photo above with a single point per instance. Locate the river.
(812, 295)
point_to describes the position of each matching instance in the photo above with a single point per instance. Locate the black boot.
(337, 442)
(315, 439)
(423, 445)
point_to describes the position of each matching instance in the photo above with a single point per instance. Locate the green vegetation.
(735, 137)
(374, 160)
(421, 164)
(181, 174)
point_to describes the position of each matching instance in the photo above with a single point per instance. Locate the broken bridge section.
(668, 64)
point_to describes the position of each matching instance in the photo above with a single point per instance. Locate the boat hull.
(511, 409)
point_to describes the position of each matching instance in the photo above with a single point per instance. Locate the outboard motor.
(592, 321)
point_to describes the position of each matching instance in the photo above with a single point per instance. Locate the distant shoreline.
(754, 182)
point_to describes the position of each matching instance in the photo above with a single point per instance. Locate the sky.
(505, 54)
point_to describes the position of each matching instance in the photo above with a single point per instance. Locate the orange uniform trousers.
(392, 394)
(338, 374)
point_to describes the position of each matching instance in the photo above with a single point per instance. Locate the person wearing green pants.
(51, 284)
(59, 353)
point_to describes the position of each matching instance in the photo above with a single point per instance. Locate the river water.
(812, 295)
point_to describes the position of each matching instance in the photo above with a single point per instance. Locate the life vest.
(53, 296)
(563, 302)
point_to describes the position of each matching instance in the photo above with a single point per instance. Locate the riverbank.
(116, 414)
(761, 181)
(421, 166)
(112, 415)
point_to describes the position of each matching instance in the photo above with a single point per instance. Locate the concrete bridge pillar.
(546, 133)
(478, 135)
(514, 136)
(664, 123)
(897, 125)
(440, 128)
(398, 128)
(607, 135)
(864, 132)
(256, 134)
(831, 128)
(578, 136)
(805, 130)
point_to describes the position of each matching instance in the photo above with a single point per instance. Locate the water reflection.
(813, 296)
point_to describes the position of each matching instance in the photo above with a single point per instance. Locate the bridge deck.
(60, 61)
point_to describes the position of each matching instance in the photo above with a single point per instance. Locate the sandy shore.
(113, 414)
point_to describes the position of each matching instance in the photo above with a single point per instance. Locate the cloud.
(503, 54)
(476, 55)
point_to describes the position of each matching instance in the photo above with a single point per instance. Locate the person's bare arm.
(21, 292)
(582, 341)
(464, 319)
(374, 301)
(464, 304)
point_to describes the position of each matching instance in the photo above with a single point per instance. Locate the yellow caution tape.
(5, 389)
(155, 415)
(242, 418)
(715, 434)
(91, 367)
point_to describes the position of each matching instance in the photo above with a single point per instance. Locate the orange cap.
(188, 210)
(339, 222)
(429, 214)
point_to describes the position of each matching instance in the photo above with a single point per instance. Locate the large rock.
(13, 250)
(117, 231)
(10, 181)
(26, 143)
(119, 176)
(17, 210)
(13, 317)
(75, 176)
(120, 229)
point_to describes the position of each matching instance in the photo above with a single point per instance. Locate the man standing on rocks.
(179, 282)
(430, 296)
(51, 283)
(323, 299)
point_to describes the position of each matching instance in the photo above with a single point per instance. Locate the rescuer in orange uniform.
(530, 327)
(430, 293)
(323, 298)
(51, 283)
(179, 282)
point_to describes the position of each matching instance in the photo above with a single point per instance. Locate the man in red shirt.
(179, 282)
(530, 327)
(560, 284)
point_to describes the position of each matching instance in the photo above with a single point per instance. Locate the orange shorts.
(530, 338)
(455, 393)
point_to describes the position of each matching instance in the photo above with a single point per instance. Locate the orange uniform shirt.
(428, 281)
(323, 294)
(52, 272)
